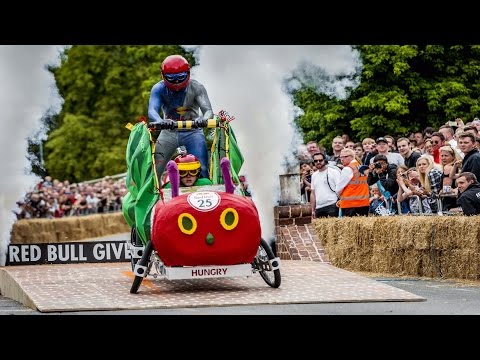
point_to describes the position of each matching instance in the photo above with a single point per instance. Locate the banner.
(68, 253)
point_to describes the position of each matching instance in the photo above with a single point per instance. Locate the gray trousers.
(169, 140)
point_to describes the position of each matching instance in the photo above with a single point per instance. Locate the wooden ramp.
(106, 286)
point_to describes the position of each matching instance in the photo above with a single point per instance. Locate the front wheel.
(264, 255)
(144, 263)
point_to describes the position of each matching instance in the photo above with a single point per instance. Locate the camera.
(378, 165)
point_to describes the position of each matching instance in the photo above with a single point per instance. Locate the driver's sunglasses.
(176, 78)
(184, 173)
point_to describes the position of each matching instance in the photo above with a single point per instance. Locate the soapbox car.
(199, 232)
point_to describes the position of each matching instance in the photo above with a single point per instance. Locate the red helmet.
(176, 72)
(187, 162)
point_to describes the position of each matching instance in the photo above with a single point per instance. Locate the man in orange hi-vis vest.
(352, 188)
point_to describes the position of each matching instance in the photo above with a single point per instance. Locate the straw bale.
(72, 228)
(391, 262)
(115, 223)
(457, 232)
(348, 244)
(431, 246)
(462, 264)
(32, 231)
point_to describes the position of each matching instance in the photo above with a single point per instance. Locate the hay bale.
(348, 244)
(74, 228)
(431, 246)
(33, 231)
(460, 264)
(114, 223)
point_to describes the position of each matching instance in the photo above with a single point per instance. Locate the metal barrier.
(114, 177)
(420, 207)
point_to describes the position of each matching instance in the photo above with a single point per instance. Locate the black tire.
(264, 253)
(144, 262)
(136, 284)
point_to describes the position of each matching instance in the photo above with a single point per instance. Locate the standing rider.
(179, 98)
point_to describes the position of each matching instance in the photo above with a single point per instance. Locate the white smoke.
(27, 93)
(250, 82)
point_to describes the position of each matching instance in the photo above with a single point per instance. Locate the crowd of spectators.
(56, 199)
(416, 174)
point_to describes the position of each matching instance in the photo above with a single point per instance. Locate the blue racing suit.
(191, 103)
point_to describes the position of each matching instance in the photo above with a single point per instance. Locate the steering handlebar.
(185, 124)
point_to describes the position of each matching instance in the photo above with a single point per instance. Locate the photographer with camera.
(381, 170)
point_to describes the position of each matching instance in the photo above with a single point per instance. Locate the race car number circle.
(204, 200)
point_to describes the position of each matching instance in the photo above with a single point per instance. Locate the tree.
(403, 88)
(104, 87)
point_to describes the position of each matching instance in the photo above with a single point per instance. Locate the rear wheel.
(264, 254)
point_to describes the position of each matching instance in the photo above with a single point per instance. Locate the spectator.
(447, 158)
(305, 180)
(431, 180)
(338, 144)
(438, 140)
(350, 145)
(428, 148)
(448, 133)
(469, 193)
(352, 188)
(410, 157)
(323, 197)
(381, 170)
(391, 143)
(376, 200)
(313, 148)
(411, 189)
(420, 139)
(383, 149)
(471, 160)
(427, 132)
(358, 148)
(369, 148)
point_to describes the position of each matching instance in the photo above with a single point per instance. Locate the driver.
(179, 98)
(189, 171)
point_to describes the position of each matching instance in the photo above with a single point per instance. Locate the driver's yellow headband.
(189, 166)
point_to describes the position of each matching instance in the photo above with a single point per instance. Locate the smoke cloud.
(252, 83)
(27, 93)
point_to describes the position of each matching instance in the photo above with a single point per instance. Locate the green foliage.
(104, 87)
(403, 88)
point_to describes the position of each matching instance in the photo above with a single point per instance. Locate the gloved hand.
(201, 123)
(162, 124)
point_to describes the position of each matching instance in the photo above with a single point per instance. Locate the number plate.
(202, 272)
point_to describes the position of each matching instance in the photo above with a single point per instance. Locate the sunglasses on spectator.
(318, 160)
(184, 173)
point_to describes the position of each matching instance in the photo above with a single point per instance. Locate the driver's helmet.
(188, 164)
(176, 72)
